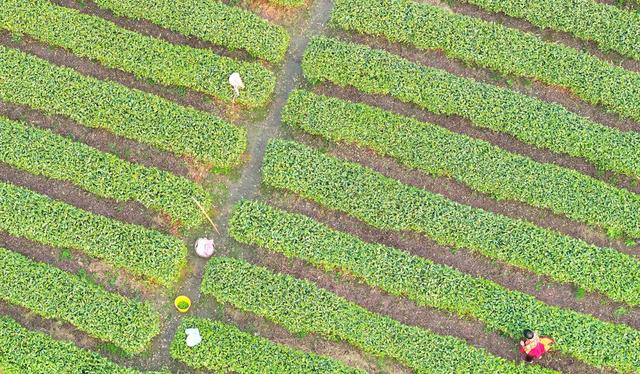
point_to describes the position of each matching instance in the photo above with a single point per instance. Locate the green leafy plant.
(620, 312)
(301, 307)
(387, 204)
(132, 114)
(183, 305)
(225, 348)
(65, 255)
(591, 20)
(213, 21)
(42, 152)
(287, 3)
(144, 252)
(169, 64)
(476, 163)
(53, 293)
(530, 120)
(27, 351)
(433, 285)
(496, 47)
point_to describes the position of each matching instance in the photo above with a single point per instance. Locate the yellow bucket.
(180, 303)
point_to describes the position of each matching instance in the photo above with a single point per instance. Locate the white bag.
(193, 337)
(204, 247)
(236, 82)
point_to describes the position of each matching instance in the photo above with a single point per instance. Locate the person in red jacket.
(534, 346)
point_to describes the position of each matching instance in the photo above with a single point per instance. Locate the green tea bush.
(612, 28)
(528, 119)
(213, 21)
(433, 285)
(491, 45)
(303, 308)
(26, 351)
(226, 349)
(144, 56)
(287, 3)
(144, 252)
(130, 113)
(476, 163)
(42, 152)
(387, 204)
(56, 294)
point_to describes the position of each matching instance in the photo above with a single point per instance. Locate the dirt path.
(246, 187)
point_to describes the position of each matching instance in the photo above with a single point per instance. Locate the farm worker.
(534, 346)
(236, 82)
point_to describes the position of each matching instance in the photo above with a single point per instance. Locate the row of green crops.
(42, 152)
(491, 45)
(226, 349)
(53, 293)
(476, 163)
(142, 251)
(287, 3)
(433, 285)
(213, 21)
(303, 308)
(610, 27)
(26, 351)
(387, 204)
(130, 113)
(531, 120)
(146, 57)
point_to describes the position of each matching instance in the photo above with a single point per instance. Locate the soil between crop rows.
(248, 186)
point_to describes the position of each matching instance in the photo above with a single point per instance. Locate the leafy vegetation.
(491, 45)
(604, 24)
(142, 251)
(531, 120)
(287, 3)
(28, 351)
(226, 349)
(476, 163)
(387, 204)
(213, 21)
(146, 57)
(53, 293)
(42, 152)
(303, 308)
(433, 285)
(126, 112)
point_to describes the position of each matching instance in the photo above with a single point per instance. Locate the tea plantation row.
(303, 308)
(491, 45)
(434, 285)
(42, 152)
(530, 120)
(144, 252)
(387, 204)
(126, 112)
